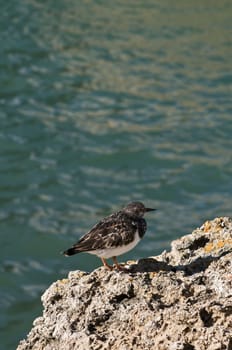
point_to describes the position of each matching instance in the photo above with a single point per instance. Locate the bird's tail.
(71, 251)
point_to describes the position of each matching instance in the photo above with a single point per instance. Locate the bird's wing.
(111, 231)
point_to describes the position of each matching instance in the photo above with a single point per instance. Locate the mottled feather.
(115, 230)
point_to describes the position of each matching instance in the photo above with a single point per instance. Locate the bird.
(114, 235)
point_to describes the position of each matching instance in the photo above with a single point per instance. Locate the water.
(102, 103)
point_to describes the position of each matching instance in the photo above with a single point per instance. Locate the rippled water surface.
(102, 103)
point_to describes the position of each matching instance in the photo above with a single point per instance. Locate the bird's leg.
(119, 267)
(105, 263)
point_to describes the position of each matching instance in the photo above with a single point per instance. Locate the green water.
(102, 103)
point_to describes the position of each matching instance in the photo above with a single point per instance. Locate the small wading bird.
(114, 235)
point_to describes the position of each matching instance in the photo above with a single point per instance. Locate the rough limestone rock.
(180, 300)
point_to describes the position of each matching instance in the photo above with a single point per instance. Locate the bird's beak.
(149, 209)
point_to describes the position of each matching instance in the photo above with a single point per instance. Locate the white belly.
(110, 252)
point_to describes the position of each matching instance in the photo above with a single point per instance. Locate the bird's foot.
(105, 263)
(118, 266)
(121, 268)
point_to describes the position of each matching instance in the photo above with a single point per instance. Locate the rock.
(179, 300)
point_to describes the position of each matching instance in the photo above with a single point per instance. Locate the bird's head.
(136, 209)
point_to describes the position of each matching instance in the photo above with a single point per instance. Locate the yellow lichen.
(208, 247)
(216, 225)
(217, 245)
(207, 226)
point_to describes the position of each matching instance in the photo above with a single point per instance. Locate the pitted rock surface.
(179, 300)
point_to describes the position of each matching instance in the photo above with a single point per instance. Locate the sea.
(103, 103)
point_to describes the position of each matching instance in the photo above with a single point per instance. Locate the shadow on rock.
(200, 264)
(150, 265)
